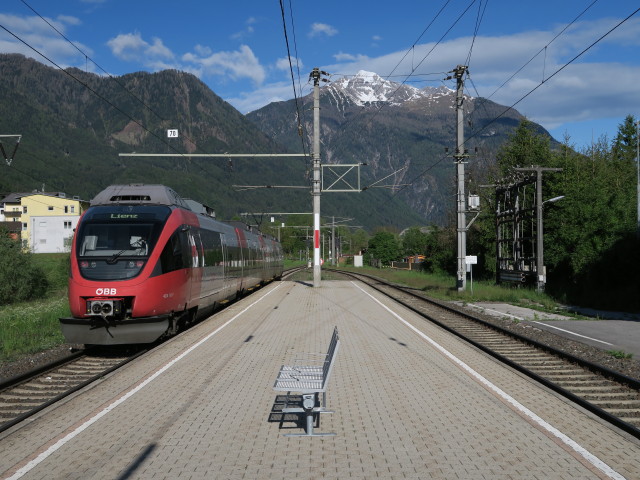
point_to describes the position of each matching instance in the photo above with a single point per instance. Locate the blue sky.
(239, 50)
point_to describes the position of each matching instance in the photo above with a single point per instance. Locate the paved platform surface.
(410, 401)
(604, 330)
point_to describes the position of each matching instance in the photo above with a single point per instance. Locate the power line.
(479, 18)
(286, 38)
(102, 97)
(543, 48)
(475, 134)
(93, 61)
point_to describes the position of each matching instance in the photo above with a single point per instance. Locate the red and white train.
(145, 262)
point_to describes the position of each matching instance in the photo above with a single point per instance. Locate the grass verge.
(442, 286)
(33, 326)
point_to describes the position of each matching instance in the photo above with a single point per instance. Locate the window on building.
(66, 209)
(24, 209)
(50, 208)
(73, 208)
(24, 226)
(67, 225)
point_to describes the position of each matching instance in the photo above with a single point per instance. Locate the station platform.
(410, 401)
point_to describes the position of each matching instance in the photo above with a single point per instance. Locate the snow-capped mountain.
(400, 132)
(367, 88)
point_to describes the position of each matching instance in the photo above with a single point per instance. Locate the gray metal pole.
(333, 242)
(460, 157)
(540, 274)
(316, 177)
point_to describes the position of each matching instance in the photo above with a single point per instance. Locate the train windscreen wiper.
(140, 243)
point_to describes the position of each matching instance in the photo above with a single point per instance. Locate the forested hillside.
(74, 125)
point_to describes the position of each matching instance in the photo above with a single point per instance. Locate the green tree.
(588, 234)
(384, 246)
(414, 242)
(624, 145)
(525, 147)
(441, 250)
(20, 280)
(359, 241)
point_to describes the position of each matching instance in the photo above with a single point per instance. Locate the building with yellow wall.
(47, 219)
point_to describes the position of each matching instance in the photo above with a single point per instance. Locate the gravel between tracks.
(626, 366)
(29, 362)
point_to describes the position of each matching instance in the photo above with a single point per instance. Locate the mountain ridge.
(72, 139)
(400, 131)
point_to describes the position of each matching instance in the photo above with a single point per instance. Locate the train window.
(212, 248)
(176, 253)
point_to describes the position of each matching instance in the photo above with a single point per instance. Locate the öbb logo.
(105, 291)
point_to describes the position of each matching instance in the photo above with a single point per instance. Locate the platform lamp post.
(541, 274)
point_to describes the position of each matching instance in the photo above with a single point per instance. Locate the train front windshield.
(114, 243)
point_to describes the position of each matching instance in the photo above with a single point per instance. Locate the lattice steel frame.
(516, 232)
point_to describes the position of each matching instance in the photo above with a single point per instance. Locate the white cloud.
(202, 61)
(348, 57)
(37, 36)
(322, 29)
(241, 63)
(131, 47)
(274, 92)
(69, 20)
(283, 64)
(596, 85)
(248, 30)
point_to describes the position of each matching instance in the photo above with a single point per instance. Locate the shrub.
(20, 280)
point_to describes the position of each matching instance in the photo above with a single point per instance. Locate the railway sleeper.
(625, 414)
(612, 396)
(19, 393)
(20, 401)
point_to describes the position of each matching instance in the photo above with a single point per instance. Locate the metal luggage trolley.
(309, 381)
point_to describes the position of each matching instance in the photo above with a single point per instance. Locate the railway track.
(613, 397)
(24, 396)
(27, 394)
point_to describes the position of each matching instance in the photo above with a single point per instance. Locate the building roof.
(18, 196)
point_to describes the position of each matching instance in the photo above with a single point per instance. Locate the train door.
(242, 257)
(196, 260)
(225, 267)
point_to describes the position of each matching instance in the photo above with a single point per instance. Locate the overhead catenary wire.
(97, 94)
(557, 71)
(295, 95)
(87, 57)
(483, 103)
(414, 68)
(475, 134)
